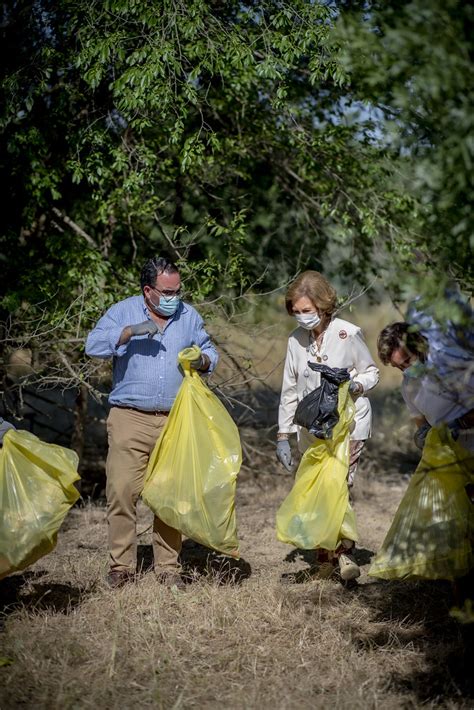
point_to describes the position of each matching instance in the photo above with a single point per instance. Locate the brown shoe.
(170, 578)
(118, 578)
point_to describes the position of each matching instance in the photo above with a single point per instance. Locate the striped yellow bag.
(432, 533)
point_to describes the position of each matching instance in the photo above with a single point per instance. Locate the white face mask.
(308, 320)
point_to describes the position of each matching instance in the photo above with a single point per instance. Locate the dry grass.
(236, 637)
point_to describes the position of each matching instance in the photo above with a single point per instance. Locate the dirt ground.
(246, 634)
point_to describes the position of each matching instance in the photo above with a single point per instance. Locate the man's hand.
(283, 453)
(454, 427)
(420, 435)
(148, 327)
(201, 363)
(196, 359)
(197, 363)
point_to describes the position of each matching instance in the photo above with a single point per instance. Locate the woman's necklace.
(315, 345)
(314, 349)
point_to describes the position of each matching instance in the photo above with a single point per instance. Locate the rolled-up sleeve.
(365, 371)
(289, 395)
(103, 340)
(202, 339)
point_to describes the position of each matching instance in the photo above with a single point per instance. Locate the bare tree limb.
(75, 227)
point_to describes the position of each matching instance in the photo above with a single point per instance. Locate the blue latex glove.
(454, 428)
(197, 364)
(193, 356)
(148, 327)
(283, 453)
(420, 435)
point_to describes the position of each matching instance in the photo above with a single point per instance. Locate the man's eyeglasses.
(167, 293)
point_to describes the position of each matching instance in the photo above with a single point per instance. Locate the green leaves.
(248, 140)
(415, 63)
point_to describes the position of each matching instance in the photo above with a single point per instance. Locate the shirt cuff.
(114, 336)
(289, 429)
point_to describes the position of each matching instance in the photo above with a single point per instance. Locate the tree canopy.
(248, 140)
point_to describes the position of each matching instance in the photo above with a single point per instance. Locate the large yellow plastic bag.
(432, 532)
(36, 492)
(191, 478)
(317, 513)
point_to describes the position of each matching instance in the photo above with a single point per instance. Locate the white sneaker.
(348, 567)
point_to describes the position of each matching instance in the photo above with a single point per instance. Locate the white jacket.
(342, 346)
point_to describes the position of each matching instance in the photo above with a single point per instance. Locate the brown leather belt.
(156, 412)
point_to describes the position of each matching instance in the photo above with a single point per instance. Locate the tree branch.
(75, 227)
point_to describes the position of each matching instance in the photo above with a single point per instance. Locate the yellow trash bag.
(317, 513)
(191, 478)
(36, 492)
(432, 532)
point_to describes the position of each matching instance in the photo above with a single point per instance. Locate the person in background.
(431, 535)
(143, 335)
(321, 337)
(436, 389)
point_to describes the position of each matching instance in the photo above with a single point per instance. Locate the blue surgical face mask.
(308, 321)
(167, 306)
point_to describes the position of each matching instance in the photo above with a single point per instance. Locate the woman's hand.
(355, 388)
(283, 453)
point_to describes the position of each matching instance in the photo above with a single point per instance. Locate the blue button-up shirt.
(145, 370)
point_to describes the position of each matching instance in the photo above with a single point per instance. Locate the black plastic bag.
(317, 412)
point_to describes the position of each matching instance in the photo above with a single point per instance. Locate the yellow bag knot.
(187, 356)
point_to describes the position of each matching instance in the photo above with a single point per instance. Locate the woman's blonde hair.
(314, 286)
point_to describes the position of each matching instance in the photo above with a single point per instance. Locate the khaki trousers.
(132, 436)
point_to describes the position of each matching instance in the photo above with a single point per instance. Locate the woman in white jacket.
(322, 338)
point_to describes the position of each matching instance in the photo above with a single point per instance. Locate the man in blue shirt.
(143, 335)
